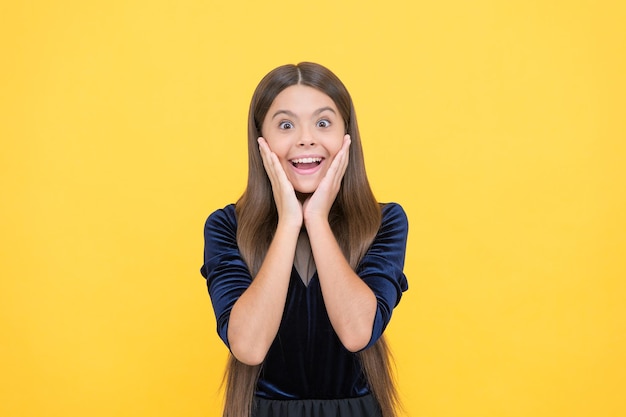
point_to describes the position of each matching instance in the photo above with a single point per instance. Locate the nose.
(306, 139)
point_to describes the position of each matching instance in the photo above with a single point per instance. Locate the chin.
(305, 190)
(302, 189)
(306, 187)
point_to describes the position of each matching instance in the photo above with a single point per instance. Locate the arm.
(237, 300)
(380, 270)
(382, 266)
(256, 316)
(359, 304)
(350, 303)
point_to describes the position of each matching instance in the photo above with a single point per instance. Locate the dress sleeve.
(226, 273)
(382, 266)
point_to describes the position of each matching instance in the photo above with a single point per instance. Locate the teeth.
(306, 160)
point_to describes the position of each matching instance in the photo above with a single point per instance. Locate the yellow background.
(498, 125)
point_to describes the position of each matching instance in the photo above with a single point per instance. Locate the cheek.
(336, 147)
(276, 146)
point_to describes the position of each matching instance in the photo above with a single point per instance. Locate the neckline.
(298, 277)
(303, 261)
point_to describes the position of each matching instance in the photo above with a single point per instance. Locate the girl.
(306, 268)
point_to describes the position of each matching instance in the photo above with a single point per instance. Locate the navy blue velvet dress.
(307, 360)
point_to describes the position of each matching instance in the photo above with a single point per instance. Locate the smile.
(306, 163)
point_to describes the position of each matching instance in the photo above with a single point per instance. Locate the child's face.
(304, 128)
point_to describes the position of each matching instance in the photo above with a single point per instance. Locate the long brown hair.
(354, 218)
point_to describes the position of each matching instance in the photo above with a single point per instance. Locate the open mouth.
(306, 163)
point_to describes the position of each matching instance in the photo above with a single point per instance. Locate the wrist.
(289, 223)
(315, 221)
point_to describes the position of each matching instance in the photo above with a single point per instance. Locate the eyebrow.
(292, 114)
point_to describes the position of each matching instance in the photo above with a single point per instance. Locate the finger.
(269, 160)
(264, 151)
(338, 167)
(345, 152)
(275, 172)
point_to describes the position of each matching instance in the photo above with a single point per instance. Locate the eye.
(323, 123)
(285, 125)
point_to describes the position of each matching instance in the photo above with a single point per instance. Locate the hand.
(287, 204)
(318, 205)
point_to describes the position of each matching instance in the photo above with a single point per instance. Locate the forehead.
(302, 98)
